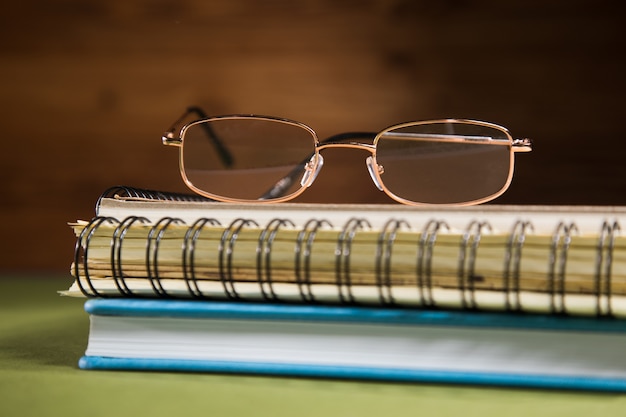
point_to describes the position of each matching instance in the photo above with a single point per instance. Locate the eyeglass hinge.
(170, 139)
(522, 145)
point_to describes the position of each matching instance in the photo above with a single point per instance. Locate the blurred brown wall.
(88, 87)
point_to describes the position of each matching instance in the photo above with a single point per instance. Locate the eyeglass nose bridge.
(373, 168)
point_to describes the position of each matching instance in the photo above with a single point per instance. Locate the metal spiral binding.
(152, 253)
(225, 254)
(604, 258)
(382, 268)
(189, 255)
(135, 192)
(263, 257)
(302, 259)
(342, 258)
(423, 268)
(467, 264)
(82, 247)
(562, 237)
(116, 253)
(511, 274)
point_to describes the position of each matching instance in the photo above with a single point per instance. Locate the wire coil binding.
(561, 239)
(124, 191)
(116, 253)
(152, 253)
(302, 257)
(603, 269)
(467, 263)
(384, 246)
(263, 257)
(342, 258)
(225, 255)
(512, 259)
(189, 255)
(81, 255)
(423, 268)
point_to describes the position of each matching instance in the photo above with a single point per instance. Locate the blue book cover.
(437, 346)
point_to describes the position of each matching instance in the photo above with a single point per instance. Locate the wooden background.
(88, 87)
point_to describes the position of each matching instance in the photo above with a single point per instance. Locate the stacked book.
(491, 294)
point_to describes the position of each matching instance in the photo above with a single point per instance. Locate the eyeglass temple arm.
(284, 183)
(223, 152)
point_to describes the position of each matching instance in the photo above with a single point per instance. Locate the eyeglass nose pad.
(311, 169)
(375, 170)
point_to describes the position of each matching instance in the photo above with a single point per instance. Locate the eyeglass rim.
(180, 142)
(523, 144)
(507, 141)
(249, 116)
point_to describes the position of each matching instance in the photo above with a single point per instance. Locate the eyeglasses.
(247, 158)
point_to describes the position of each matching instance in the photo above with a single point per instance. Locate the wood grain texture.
(87, 88)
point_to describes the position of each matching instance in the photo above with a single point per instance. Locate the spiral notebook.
(537, 259)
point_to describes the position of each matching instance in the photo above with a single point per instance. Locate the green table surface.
(42, 336)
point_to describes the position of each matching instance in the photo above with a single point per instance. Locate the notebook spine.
(467, 276)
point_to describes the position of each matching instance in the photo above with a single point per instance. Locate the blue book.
(362, 343)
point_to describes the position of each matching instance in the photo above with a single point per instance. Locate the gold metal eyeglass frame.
(314, 162)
